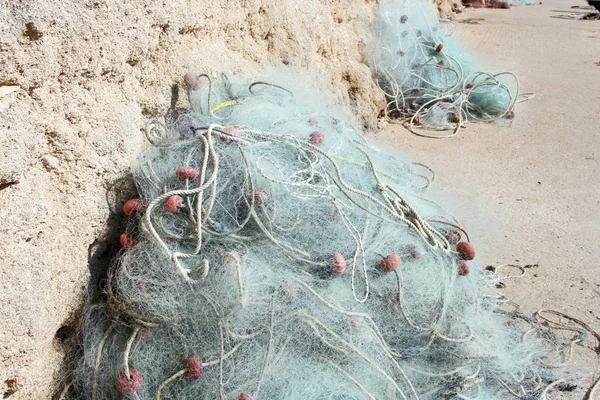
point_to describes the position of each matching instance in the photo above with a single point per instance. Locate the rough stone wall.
(447, 8)
(90, 73)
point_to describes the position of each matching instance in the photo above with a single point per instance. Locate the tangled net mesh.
(430, 83)
(524, 2)
(275, 253)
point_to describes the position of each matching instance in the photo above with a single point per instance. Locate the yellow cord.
(224, 104)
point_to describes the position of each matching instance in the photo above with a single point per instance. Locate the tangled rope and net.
(432, 87)
(274, 253)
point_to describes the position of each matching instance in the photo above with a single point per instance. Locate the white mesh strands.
(429, 81)
(523, 2)
(294, 265)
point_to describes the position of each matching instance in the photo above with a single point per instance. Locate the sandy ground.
(529, 194)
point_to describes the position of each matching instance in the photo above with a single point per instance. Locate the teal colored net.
(275, 253)
(524, 2)
(431, 84)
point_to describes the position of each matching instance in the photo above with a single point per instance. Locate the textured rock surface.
(447, 8)
(91, 72)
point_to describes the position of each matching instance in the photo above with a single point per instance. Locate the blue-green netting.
(429, 80)
(299, 261)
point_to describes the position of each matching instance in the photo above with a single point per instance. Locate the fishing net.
(523, 2)
(275, 253)
(431, 84)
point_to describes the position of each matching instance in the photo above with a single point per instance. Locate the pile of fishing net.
(275, 253)
(431, 84)
(523, 2)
